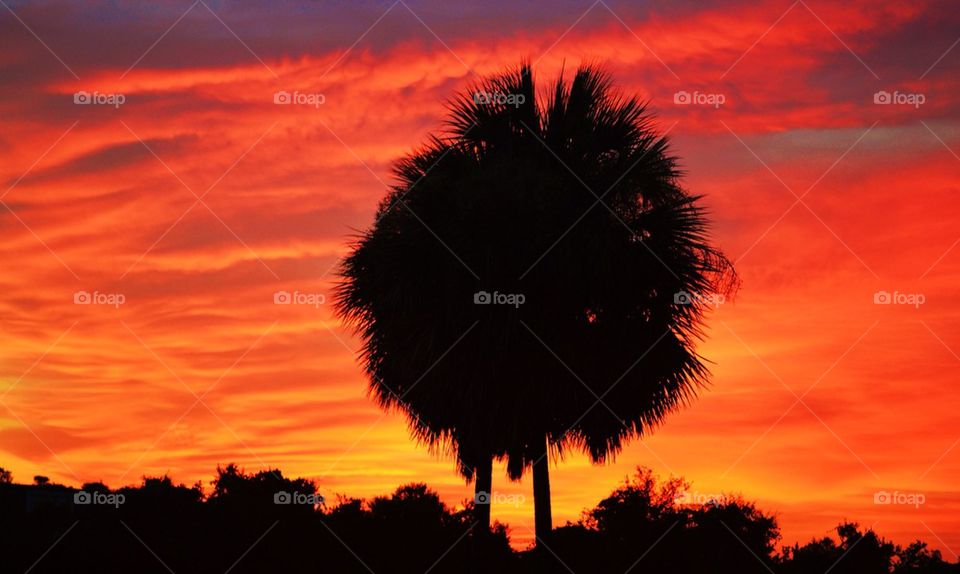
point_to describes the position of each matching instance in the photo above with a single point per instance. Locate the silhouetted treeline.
(265, 522)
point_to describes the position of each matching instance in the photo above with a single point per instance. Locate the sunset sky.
(197, 198)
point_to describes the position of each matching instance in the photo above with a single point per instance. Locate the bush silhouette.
(645, 525)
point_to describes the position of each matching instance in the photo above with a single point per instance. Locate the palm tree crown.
(571, 199)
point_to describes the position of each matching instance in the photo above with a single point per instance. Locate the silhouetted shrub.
(265, 522)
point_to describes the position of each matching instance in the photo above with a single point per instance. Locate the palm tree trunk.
(483, 482)
(482, 500)
(543, 519)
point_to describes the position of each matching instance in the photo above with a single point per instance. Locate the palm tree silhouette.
(536, 280)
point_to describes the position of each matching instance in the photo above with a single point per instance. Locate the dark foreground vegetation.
(264, 522)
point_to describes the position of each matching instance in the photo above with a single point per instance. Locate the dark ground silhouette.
(264, 522)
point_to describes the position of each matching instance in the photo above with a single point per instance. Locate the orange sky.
(105, 199)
